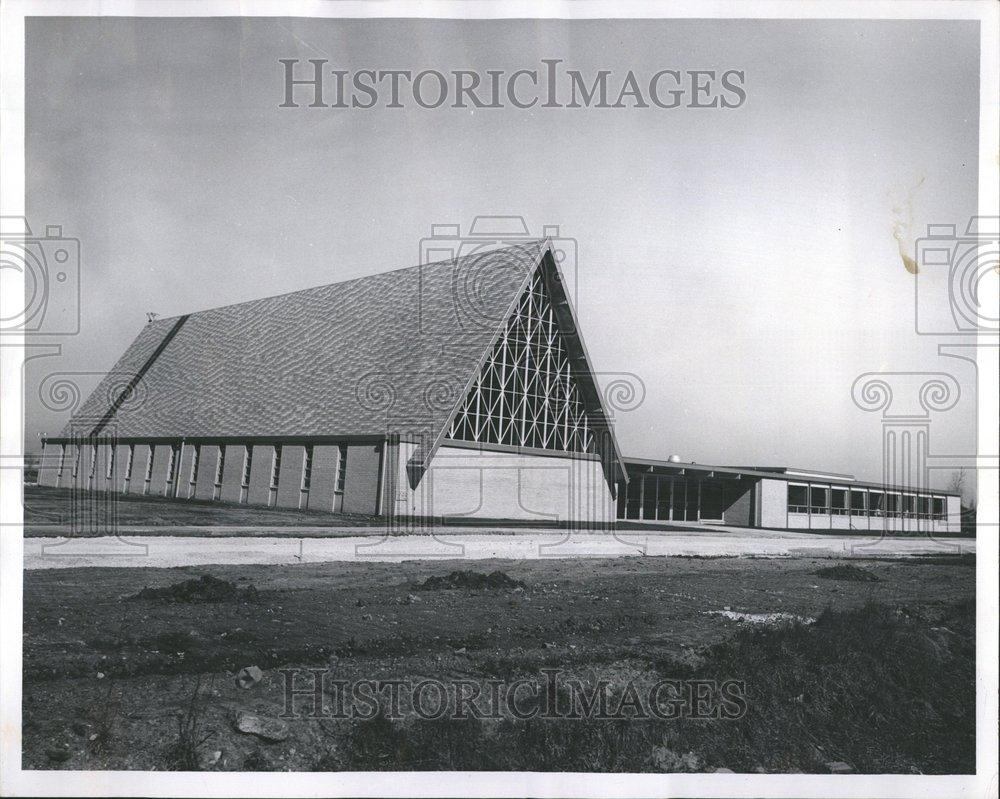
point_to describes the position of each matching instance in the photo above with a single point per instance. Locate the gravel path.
(189, 550)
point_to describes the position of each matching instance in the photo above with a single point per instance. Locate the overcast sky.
(740, 262)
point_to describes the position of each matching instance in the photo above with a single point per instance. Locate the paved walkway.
(267, 545)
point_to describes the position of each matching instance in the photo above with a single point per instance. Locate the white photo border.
(15, 782)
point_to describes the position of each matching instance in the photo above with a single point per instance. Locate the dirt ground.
(112, 681)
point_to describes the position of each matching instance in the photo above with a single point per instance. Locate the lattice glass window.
(525, 394)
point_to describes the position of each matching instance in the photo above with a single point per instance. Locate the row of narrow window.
(822, 500)
(173, 466)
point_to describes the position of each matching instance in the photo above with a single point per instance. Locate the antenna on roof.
(151, 316)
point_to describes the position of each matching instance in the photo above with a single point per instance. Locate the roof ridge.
(540, 241)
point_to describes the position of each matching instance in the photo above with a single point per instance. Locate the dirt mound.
(200, 589)
(847, 572)
(470, 579)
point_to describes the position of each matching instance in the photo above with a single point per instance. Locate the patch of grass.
(185, 752)
(882, 689)
(879, 688)
(845, 571)
(106, 717)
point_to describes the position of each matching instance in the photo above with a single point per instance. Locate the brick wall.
(207, 464)
(161, 462)
(107, 457)
(121, 461)
(362, 480)
(739, 503)
(184, 488)
(66, 478)
(48, 469)
(290, 479)
(260, 475)
(502, 485)
(233, 474)
(89, 466)
(773, 503)
(136, 484)
(77, 459)
(324, 478)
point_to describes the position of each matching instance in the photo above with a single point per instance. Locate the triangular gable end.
(534, 387)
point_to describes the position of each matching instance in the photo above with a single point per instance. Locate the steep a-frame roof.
(389, 353)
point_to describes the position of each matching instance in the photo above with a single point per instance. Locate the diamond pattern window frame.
(526, 393)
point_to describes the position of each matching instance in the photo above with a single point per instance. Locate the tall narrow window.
(663, 499)
(272, 495)
(247, 465)
(169, 490)
(245, 477)
(938, 508)
(924, 507)
(909, 506)
(275, 468)
(307, 467)
(633, 495)
(147, 476)
(220, 469)
(193, 477)
(91, 476)
(649, 486)
(341, 468)
(129, 460)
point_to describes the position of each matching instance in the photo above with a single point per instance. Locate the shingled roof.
(391, 352)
